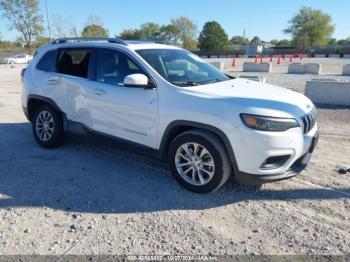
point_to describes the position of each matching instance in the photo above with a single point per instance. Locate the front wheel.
(198, 161)
(48, 127)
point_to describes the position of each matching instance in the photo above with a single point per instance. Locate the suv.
(205, 124)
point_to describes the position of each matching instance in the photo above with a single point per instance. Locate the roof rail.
(140, 41)
(85, 39)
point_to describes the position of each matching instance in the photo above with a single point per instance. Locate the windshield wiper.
(188, 83)
(212, 81)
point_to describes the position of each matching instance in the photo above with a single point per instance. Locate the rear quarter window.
(47, 62)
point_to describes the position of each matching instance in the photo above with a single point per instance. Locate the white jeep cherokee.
(206, 124)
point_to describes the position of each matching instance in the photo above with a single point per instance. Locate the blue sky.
(265, 18)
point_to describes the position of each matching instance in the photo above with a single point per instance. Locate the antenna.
(48, 21)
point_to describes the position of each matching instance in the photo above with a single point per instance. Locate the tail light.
(22, 73)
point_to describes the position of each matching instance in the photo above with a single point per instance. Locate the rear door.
(72, 79)
(125, 112)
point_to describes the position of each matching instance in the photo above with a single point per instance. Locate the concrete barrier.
(313, 68)
(328, 92)
(309, 68)
(296, 68)
(254, 78)
(346, 70)
(219, 65)
(252, 67)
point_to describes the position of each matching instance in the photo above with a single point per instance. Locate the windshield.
(181, 67)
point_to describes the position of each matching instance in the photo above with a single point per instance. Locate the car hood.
(255, 94)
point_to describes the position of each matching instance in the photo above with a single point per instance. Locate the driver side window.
(113, 66)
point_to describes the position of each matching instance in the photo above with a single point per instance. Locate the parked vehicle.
(18, 59)
(205, 124)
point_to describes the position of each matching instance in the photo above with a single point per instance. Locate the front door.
(125, 112)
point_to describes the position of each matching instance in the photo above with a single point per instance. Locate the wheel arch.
(179, 126)
(34, 101)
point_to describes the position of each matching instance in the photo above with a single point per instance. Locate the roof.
(103, 41)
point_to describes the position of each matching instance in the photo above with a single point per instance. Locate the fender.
(184, 123)
(51, 103)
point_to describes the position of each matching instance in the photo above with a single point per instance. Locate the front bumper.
(295, 169)
(251, 148)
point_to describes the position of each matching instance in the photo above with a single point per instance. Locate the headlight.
(266, 123)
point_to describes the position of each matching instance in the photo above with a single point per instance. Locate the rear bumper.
(253, 179)
(25, 111)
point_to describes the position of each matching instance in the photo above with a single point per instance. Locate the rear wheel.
(198, 161)
(48, 127)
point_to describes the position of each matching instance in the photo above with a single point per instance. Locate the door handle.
(99, 92)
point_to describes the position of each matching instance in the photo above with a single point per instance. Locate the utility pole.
(48, 21)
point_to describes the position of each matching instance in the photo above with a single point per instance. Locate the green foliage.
(150, 31)
(94, 27)
(94, 31)
(180, 31)
(41, 41)
(24, 16)
(255, 41)
(239, 40)
(187, 32)
(283, 42)
(332, 42)
(130, 34)
(310, 27)
(170, 33)
(213, 37)
(343, 42)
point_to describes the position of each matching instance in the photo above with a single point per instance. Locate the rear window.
(74, 62)
(47, 62)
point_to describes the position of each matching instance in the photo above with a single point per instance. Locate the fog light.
(274, 162)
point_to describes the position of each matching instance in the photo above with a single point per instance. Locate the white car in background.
(18, 59)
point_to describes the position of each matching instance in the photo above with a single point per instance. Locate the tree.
(274, 41)
(94, 28)
(130, 34)
(239, 40)
(24, 16)
(332, 42)
(310, 27)
(255, 41)
(62, 27)
(170, 33)
(187, 32)
(41, 41)
(344, 41)
(283, 42)
(213, 37)
(150, 31)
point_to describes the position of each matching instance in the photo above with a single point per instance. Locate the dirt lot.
(90, 198)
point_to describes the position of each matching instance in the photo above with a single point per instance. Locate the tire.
(49, 118)
(214, 166)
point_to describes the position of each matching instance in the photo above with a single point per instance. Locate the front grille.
(309, 120)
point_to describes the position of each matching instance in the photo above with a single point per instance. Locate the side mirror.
(137, 80)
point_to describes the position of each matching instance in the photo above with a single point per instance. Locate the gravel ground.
(92, 198)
